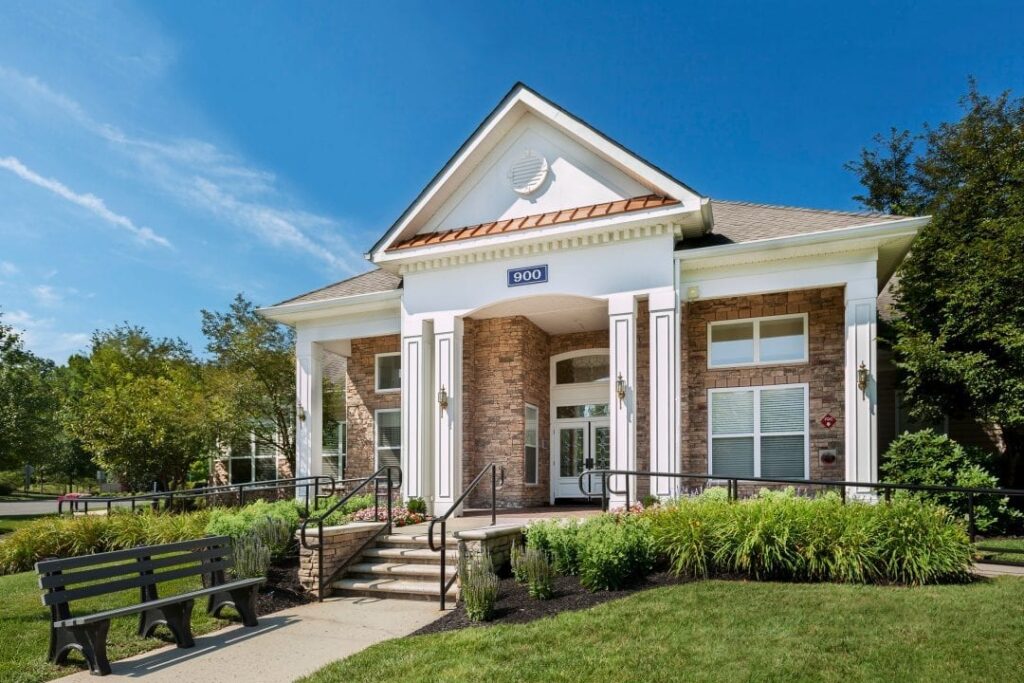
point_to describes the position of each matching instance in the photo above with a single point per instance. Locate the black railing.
(884, 489)
(321, 486)
(381, 476)
(443, 520)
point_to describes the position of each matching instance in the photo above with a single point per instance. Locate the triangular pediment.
(527, 159)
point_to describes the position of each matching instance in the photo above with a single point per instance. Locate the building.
(552, 302)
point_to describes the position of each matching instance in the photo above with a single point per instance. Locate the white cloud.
(199, 175)
(43, 338)
(87, 201)
(8, 269)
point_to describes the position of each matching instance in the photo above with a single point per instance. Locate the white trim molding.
(663, 309)
(622, 310)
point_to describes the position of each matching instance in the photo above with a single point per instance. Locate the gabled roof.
(518, 100)
(539, 220)
(746, 222)
(374, 281)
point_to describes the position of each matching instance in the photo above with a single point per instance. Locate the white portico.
(551, 302)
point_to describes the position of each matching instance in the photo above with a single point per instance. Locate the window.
(334, 441)
(580, 369)
(249, 461)
(389, 437)
(530, 443)
(586, 410)
(779, 339)
(389, 371)
(759, 432)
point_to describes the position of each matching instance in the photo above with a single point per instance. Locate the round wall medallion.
(527, 174)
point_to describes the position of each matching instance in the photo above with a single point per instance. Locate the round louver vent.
(527, 174)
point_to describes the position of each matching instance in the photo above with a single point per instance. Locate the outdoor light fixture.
(302, 413)
(620, 388)
(442, 398)
(862, 377)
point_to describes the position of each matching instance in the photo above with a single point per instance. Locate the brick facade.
(362, 399)
(823, 373)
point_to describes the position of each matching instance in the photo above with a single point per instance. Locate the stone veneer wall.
(362, 399)
(823, 373)
(340, 544)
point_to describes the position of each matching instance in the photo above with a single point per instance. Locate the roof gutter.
(882, 230)
(290, 313)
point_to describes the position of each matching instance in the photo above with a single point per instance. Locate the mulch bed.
(282, 589)
(515, 606)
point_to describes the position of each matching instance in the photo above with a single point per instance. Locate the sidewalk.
(286, 645)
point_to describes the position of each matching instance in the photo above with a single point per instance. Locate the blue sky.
(157, 158)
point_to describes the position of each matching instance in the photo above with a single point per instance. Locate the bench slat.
(131, 567)
(57, 597)
(49, 566)
(162, 602)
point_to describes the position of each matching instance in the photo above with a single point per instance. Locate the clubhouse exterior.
(551, 302)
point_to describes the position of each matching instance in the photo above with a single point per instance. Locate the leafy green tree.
(253, 370)
(960, 300)
(28, 403)
(140, 406)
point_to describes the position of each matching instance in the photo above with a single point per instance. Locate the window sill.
(775, 364)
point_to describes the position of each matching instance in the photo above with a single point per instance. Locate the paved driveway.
(28, 507)
(286, 645)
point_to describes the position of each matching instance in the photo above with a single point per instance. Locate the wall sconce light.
(442, 398)
(620, 388)
(301, 413)
(862, 377)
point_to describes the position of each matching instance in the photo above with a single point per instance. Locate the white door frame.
(569, 395)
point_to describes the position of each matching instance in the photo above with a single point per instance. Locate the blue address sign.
(530, 275)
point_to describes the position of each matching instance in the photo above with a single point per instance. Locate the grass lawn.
(15, 522)
(991, 545)
(24, 628)
(731, 631)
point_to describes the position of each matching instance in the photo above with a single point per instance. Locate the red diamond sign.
(828, 422)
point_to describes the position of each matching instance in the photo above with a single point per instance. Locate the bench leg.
(177, 618)
(242, 599)
(90, 640)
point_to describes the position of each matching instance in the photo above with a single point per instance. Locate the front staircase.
(400, 566)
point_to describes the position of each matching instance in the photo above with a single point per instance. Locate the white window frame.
(757, 340)
(252, 457)
(535, 445)
(376, 436)
(756, 434)
(376, 374)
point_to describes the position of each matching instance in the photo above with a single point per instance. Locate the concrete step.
(410, 555)
(399, 569)
(392, 588)
(415, 541)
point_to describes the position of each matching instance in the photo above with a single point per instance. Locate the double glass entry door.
(582, 445)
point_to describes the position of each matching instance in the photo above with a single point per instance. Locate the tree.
(140, 406)
(960, 300)
(28, 403)
(253, 367)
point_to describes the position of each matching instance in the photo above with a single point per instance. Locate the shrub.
(614, 550)
(479, 587)
(417, 506)
(10, 481)
(785, 537)
(929, 459)
(400, 516)
(539, 574)
(346, 511)
(238, 522)
(517, 559)
(557, 538)
(650, 501)
(252, 556)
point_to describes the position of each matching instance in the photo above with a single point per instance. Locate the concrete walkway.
(286, 645)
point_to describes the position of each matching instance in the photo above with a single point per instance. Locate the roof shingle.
(366, 283)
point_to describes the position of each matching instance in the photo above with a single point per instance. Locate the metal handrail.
(733, 487)
(315, 482)
(319, 520)
(443, 519)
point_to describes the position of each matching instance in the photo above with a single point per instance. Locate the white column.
(861, 405)
(308, 409)
(622, 357)
(417, 408)
(664, 381)
(448, 420)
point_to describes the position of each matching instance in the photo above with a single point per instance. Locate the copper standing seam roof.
(540, 220)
